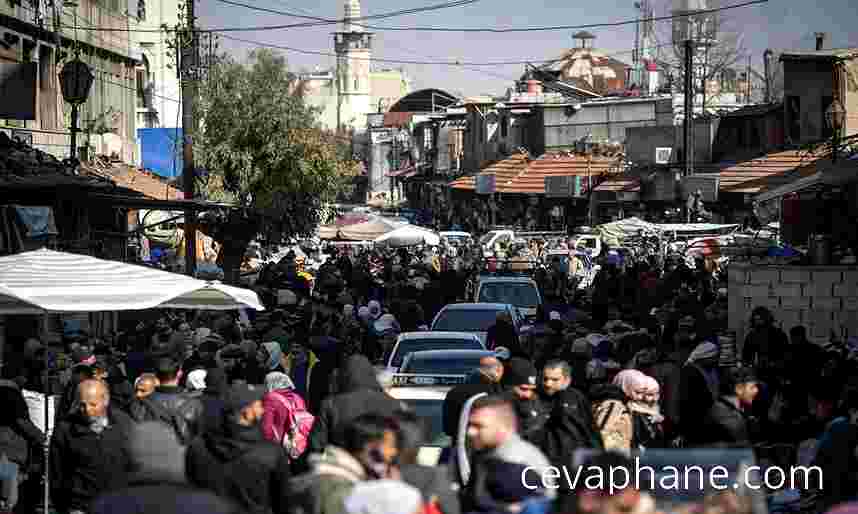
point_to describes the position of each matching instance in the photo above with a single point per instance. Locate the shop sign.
(663, 154)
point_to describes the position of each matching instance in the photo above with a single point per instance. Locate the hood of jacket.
(357, 374)
(235, 441)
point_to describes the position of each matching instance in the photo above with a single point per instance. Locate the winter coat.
(172, 405)
(84, 464)
(696, 397)
(613, 417)
(724, 425)
(456, 398)
(275, 421)
(239, 464)
(360, 393)
(570, 427)
(17, 431)
(648, 427)
(324, 488)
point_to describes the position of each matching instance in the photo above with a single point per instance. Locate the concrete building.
(159, 91)
(351, 91)
(107, 119)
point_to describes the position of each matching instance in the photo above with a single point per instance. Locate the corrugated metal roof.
(755, 175)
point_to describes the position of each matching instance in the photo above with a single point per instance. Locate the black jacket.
(240, 465)
(569, 428)
(359, 394)
(456, 398)
(725, 425)
(84, 464)
(172, 405)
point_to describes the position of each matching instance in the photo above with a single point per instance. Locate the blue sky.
(777, 24)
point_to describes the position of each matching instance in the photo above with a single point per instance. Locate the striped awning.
(47, 281)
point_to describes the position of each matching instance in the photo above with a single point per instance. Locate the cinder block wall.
(822, 298)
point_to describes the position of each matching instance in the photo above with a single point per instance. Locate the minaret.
(354, 50)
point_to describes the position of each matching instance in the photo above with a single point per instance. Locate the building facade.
(159, 92)
(44, 34)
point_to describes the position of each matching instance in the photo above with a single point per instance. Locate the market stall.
(409, 235)
(45, 281)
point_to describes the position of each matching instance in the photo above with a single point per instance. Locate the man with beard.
(237, 463)
(88, 454)
(520, 380)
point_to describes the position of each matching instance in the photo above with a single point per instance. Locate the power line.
(463, 64)
(465, 29)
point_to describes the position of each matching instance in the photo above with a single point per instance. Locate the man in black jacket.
(88, 455)
(238, 463)
(485, 380)
(18, 434)
(358, 393)
(171, 404)
(726, 423)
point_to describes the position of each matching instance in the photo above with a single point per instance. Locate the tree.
(265, 153)
(716, 59)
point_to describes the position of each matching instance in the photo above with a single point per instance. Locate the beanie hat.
(519, 372)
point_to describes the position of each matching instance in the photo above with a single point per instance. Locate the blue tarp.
(161, 149)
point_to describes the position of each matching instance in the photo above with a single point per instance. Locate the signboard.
(375, 120)
(18, 91)
(417, 380)
(706, 183)
(484, 184)
(663, 154)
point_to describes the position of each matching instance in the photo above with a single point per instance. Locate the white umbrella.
(409, 235)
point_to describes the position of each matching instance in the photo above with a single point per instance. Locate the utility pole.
(689, 107)
(190, 69)
(748, 84)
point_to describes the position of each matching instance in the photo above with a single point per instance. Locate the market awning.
(47, 281)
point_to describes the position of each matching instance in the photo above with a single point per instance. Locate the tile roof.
(620, 183)
(135, 179)
(519, 174)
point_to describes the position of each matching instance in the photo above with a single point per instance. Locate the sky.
(778, 24)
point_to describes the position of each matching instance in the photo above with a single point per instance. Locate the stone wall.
(822, 298)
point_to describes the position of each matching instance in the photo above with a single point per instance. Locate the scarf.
(631, 381)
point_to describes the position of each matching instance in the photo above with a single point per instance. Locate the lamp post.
(75, 81)
(835, 116)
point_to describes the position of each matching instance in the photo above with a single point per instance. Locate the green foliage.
(263, 148)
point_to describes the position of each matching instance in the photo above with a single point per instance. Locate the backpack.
(299, 423)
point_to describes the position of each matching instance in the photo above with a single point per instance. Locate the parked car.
(409, 342)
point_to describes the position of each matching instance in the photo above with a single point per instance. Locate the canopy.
(47, 281)
(409, 235)
(368, 231)
(616, 232)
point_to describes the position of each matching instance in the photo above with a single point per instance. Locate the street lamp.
(75, 81)
(835, 117)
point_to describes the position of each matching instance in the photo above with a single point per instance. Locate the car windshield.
(443, 365)
(419, 345)
(466, 320)
(432, 411)
(520, 295)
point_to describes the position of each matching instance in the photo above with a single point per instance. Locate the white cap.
(383, 497)
(554, 316)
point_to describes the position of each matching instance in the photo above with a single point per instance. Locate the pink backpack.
(299, 423)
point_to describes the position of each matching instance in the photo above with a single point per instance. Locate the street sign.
(484, 184)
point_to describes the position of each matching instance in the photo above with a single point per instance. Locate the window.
(141, 10)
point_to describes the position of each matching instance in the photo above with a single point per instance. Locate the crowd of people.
(286, 412)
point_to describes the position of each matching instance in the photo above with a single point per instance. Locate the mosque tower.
(353, 47)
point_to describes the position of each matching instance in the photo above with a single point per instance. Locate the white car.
(409, 342)
(424, 395)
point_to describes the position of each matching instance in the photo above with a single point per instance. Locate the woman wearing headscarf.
(614, 419)
(197, 380)
(279, 402)
(648, 430)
